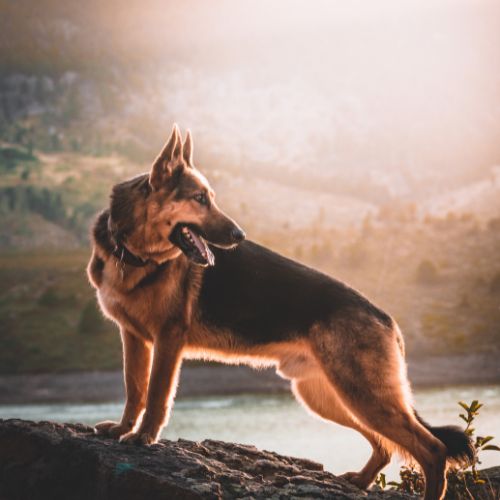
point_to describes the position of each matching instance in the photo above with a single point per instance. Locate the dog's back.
(264, 297)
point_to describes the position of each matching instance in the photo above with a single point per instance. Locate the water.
(280, 424)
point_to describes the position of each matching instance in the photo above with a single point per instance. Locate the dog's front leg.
(136, 368)
(161, 391)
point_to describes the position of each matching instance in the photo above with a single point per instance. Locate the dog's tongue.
(202, 247)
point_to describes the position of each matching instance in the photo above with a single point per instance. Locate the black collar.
(123, 254)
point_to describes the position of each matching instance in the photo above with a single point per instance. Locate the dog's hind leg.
(363, 361)
(317, 394)
(136, 367)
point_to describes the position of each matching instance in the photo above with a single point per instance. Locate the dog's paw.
(111, 429)
(139, 438)
(356, 479)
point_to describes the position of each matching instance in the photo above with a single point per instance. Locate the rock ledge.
(68, 461)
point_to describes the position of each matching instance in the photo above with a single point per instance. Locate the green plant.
(461, 479)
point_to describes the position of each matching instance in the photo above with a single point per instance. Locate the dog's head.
(171, 210)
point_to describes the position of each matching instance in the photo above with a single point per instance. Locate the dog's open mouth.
(190, 241)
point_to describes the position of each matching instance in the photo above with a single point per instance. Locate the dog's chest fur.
(143, 300)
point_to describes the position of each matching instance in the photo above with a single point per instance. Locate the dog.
(180, 280)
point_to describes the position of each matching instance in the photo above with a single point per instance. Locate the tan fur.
(318, 396)
(380, 403)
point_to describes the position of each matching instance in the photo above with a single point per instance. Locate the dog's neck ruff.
(124, 255)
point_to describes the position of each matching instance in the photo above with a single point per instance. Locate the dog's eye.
(201, 198)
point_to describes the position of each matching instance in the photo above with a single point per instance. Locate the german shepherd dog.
(174, 272)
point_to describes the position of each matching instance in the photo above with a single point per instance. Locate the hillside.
(350, 109)
(439, 276)
(377, 162)
(436, 272)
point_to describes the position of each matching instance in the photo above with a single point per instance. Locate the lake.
(279, 423)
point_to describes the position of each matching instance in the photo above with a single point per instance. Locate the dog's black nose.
(237, 234)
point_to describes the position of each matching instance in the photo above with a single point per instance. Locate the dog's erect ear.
(162, 167)
(187, 149)
(167, 152)
(178, 145)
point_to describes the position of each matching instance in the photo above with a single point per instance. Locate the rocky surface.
(52, 461)
(70, 462)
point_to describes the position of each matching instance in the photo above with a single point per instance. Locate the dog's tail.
(460, 448)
